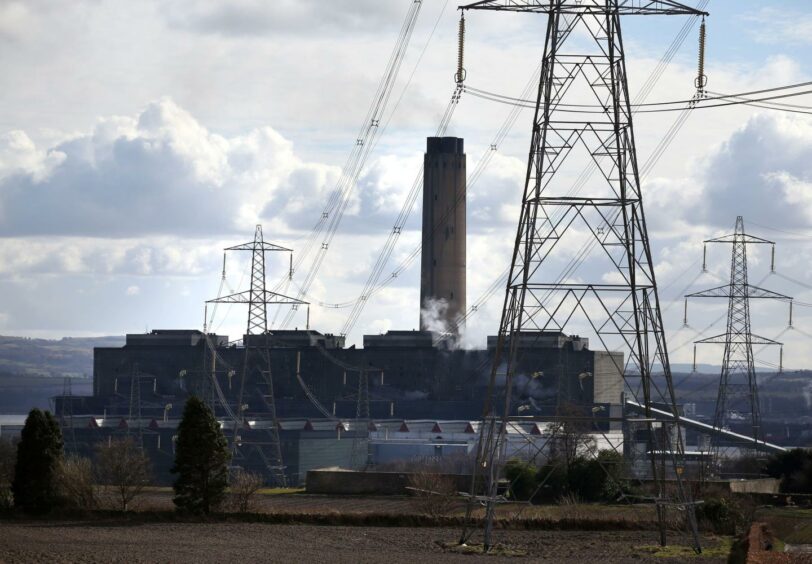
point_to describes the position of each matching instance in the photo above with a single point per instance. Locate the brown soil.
(125, 540)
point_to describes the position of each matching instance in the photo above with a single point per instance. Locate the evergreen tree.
(201, 460)
(38, 455)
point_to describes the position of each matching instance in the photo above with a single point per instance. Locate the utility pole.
(583, 103)
(738, 385)
(257, 344)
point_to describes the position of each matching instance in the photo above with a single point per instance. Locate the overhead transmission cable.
(645, 91)
(358, 145)
(411, 198)
(648, 86)
(331, 217)
(372, 285)
(583, 178)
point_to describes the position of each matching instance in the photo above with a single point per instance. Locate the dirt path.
(121, 541)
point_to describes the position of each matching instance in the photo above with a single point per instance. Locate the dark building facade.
(317, 383)
(406, 374)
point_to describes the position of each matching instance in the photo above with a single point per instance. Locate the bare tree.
(123, 466)
(243, 486)
(433, 494)
(74, 482)
(571, 435)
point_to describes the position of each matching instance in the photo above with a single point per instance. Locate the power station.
(292, 400)
(283, 385)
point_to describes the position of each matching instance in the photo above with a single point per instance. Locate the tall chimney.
(442, 272)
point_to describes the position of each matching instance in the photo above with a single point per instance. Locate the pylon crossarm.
(728, 290)
(744, 340)
(587, 7)
(741, 238)
(756, 292)
(259, 246)
(249, 297)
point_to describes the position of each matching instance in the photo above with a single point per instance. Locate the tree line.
(37, 477)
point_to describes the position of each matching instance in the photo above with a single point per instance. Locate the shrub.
(201, 460)
(602, 478)
(551, 482)
(125, 467)
(793, 468)
(38, 454)
(726, 515)
(74, 483)
(586, 479)
(243, 486)
(617, 471)
(433, 494)
(522, 478)
(8, 457)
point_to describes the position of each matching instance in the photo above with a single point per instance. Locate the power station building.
(141, 388)
(322, 389)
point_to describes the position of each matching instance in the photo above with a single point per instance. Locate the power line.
(645, 91)
(365, 142)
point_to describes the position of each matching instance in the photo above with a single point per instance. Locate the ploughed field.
(119, 539)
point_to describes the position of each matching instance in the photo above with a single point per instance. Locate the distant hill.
(32, 371)
(66, 357)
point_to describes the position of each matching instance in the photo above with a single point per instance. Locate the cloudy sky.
(137, 139)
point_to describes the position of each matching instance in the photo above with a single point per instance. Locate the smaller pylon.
(738, 385)
(257, 359)
(361, 455)
(66, 415)
(134, 417)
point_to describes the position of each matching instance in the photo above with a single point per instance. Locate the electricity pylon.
(584, 46)
(738, 386)
(361, 454)
(134, 415)
(66, 415)
(257, 358)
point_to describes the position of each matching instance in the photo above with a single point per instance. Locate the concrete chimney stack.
(442, 273)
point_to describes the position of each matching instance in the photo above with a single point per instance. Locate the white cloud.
(258, 17)
(759, 171)
(780, 25)
(15, 19)
(159, 173)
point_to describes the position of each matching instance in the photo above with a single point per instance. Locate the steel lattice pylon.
(257, 358)
(738, 386)
(584, 45)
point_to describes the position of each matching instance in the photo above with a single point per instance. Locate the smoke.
(528, 389)
(808, 395)
(433, 316)
(531, 387)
